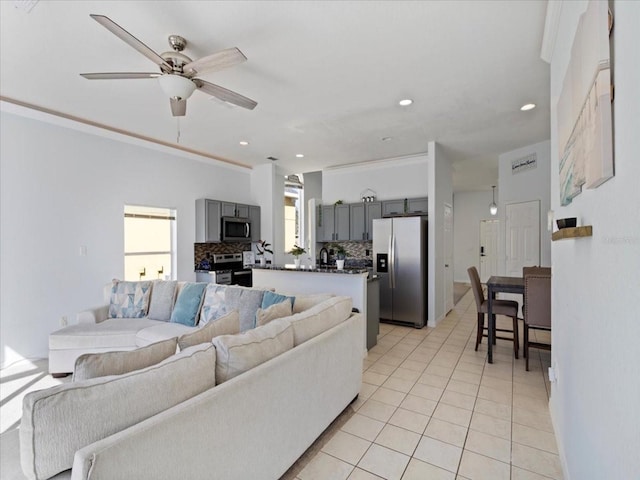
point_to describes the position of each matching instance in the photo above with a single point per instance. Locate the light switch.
(83, 250)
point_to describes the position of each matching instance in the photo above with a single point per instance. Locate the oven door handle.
(242, 273)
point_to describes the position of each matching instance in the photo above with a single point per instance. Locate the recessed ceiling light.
(244, 143)
(405, 102)
(528, 106)
(299, 155)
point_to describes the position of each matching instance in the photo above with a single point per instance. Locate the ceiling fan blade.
(217, 61)
(224, 94)
(178, 107)
(118, 75)
(125, 36)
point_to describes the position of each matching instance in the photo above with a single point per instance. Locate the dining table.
(498, 284)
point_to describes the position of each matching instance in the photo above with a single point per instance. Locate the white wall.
(523, 187)
(596, 280)
(469, 209)
(391, 179)
(440, 192)
(62, 189)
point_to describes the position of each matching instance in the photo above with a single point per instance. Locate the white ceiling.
(327, 76)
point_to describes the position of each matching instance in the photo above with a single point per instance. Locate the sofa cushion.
(213, 305)
(58, 421)
(305, 302)
(226, 325)
(114, 333)
(188, 303)
(161, 331)
(277, 310)
(271, 298)
(320, 318)
(129, 299)
(163, 294)
(91, 365)
(246, 301)
(236, 354)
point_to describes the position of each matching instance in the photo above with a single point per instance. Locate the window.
(149, 243)
(293, 233)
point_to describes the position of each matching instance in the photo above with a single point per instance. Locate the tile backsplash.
(355, 250)
(200, 250)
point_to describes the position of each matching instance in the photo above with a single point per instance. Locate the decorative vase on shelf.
(263, 261)
(297, 262)
(340, 264)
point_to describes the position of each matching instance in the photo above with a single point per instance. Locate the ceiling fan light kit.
(176, 86)
(177, 71)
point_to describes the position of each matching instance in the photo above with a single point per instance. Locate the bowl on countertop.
(570, 222)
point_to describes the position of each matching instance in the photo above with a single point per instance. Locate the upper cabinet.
(235, 210)
(417, 206)
(407, 206)
(254, 218)
(392, 208)
(333, 224)
(208, 215)
(361, 219)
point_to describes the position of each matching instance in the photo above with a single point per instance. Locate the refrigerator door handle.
(390, 261)
(393, 262)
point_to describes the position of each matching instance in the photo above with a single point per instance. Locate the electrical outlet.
(64, 321)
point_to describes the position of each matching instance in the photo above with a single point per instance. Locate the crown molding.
(551, 25)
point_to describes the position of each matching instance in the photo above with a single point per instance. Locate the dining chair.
(507, 308)
(537, 307)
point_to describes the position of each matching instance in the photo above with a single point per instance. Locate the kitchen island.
(351, 282)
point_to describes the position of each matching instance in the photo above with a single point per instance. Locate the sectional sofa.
(240, 406)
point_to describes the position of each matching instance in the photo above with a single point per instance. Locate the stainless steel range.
(227, 269)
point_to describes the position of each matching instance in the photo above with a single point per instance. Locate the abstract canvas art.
(585, 130)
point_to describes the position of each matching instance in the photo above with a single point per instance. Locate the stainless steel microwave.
(235, 229)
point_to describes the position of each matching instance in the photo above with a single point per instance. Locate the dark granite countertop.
(309, 269)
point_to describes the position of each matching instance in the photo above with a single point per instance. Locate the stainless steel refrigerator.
(400, 260)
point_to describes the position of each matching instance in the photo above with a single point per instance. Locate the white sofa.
(254, 425)
(95, 332)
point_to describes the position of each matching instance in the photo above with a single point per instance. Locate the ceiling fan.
(177, 71)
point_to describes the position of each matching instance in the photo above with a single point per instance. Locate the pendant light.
(493, 208)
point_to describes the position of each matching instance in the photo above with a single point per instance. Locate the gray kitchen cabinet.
(392, 208)
(208, 215)
(235, 210)
(254, 218)
(417, 206)
(334, 223)
(361, 219)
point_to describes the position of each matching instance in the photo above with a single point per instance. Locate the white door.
(448, 258)
(488, 248)
(522, 242)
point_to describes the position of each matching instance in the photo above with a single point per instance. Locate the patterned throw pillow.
(213, 305)
(129, 299)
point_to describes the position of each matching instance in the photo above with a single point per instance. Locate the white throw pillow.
(227, 325)
(320, 318)
(235, 354)
(92, 365)
(277, 310)
(305, 302)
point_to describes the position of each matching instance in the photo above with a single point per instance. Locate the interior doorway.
(448, 257)
(522, 241)
(489, 231)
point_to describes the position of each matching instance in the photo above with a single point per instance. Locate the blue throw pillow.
(271, 298)
(188, 304)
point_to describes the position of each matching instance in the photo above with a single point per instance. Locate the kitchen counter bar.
(309, 269)
(291, 280)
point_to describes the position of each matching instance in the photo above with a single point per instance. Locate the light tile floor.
(432, 408)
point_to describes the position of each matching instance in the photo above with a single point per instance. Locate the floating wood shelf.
(576, 232)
